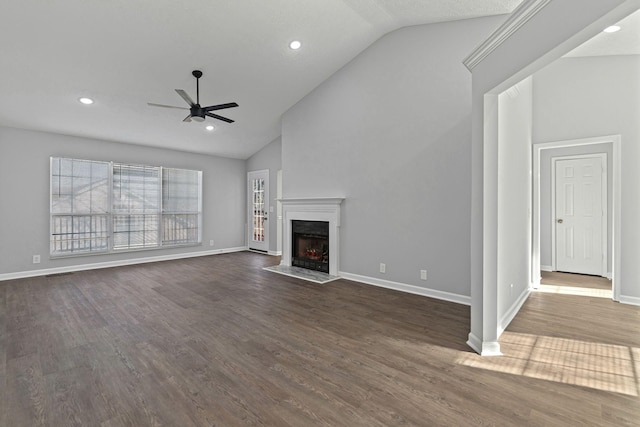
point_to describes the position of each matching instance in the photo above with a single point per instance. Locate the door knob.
(560, 221)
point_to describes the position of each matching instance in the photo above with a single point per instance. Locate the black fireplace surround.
(310, 245)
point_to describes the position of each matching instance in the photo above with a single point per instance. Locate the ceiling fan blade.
(166, 106)
(186, 97)
(187, 119)
(215, 116)
(220, 106)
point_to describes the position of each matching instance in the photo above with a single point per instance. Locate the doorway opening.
(613, 214)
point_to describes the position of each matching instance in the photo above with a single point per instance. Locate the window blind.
(181, 206)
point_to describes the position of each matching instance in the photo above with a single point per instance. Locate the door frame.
(615, 213)
(604, 200)
(267, 203)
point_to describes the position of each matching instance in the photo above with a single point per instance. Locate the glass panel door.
(259, 210)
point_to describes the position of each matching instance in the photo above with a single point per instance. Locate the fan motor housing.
(197, 113)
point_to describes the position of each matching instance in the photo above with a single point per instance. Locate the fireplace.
(318, 243)
(310, 245)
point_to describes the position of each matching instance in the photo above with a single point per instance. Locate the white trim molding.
(629, 300)
(119, 263)
(312, 209)
(412, 289)
(487, 348)
(546, 268)
(523, 13)
(513, 310)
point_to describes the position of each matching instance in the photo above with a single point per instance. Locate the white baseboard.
(475, 343)
(629, 300)
(488, 348)
(403, 287)
(513, 310)
(275, 253)
(119, 263)
(609, 275)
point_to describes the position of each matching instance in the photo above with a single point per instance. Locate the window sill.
(121, 251)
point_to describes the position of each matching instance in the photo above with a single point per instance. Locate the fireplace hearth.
(310, 245)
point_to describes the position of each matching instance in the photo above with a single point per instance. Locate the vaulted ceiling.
(625, 41)
(125, 53)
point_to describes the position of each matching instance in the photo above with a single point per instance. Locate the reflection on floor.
(302, 273)
(595, 365)
(575, 284)
(567, 332)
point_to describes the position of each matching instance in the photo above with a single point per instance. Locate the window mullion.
(160, 207)
(110, 211)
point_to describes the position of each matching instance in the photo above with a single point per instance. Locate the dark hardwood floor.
(219, 341)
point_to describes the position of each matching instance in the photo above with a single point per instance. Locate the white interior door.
(579, 216)
(258, 203)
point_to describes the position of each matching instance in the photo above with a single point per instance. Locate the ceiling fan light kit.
(196, 112)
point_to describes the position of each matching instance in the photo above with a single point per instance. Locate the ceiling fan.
(197, 112)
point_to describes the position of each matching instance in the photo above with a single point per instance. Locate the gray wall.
(391, 133)
(594, 96)
(270, 157)
(514, 195)
(24, 195)
(546, 213)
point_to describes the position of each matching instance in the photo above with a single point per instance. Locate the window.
(79, 206)
(181, 206)
(99, 207)
(136, 207)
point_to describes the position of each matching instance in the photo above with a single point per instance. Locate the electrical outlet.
(36, 259)
(383, 268)
(423, 274)
(211, 242)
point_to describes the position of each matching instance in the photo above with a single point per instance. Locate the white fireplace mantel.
(312, 209)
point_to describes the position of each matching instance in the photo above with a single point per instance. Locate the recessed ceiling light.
(210, 128)
(86, 101)
(611, 29)
(295, 45)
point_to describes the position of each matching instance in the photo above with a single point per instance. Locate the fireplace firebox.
(310, 244)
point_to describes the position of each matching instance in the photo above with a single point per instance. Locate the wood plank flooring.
(570, 279)
(217, 341)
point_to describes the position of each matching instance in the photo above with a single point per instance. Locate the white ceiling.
(125, 53)
(624, 42)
